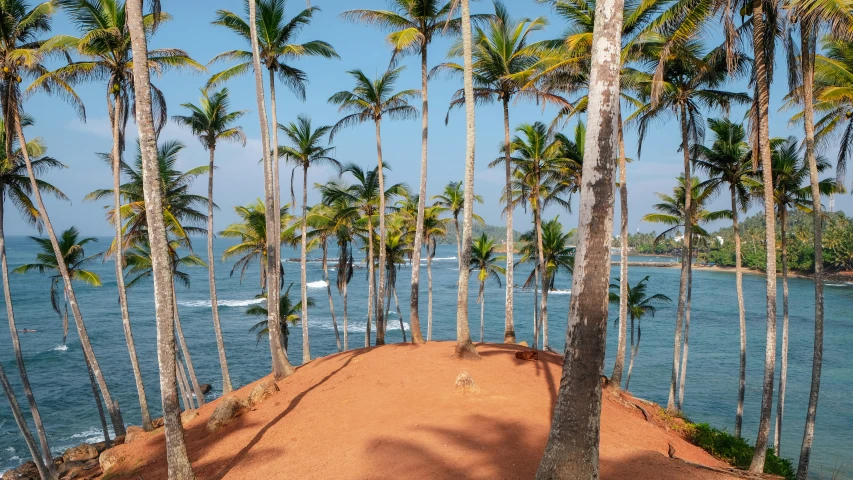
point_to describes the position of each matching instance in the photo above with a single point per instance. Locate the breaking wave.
(317, 284)
(221, 303)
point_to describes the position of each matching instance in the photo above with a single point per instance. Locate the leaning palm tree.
(305, 151)
(24, 428)
(484, 261)
(212, 121)
(790, 191)
(176, 451)
(15, 186)
(690, 79)
(413, 25)
(373, 100)
(452, 200)
(728, 163)
(639, 305)
(289, 312)
(23, 53)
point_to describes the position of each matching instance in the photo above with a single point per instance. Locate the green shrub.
(737, 451)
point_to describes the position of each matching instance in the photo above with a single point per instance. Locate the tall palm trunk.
(509, 325)
(179, 467)
(619, 366)
(572, 448)
(303, 267)
(414, 314)
(683, 374)
(400, 313)
(482, 303)
(329, 293)
(380, 293)
(783, 373)
(371, 284)
(762, 97)
(536, 324)
(276, 200)
(807, 56)
(182, 341)
(685, 263)
(635, 348)
(112, 406)
(211, 278)
(16, 346)
(98, 404)
(458, 240)
(346, 317)
(742, 315)
(430, 254)
(540, 253)
(119, 266)
(24, 428)
(183, 384)
(464, 347)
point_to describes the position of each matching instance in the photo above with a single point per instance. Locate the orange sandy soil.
(392, 412)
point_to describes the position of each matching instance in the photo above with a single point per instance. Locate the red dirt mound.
(392, 412)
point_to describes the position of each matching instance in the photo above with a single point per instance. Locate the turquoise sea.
(59, 378)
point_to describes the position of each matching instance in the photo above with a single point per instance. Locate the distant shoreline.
(843, 275)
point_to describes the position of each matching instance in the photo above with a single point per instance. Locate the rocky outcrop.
(188, 415)
(78, 469)
(205, 388)
(81, 452)
(262, 391)
(465, 384)
(229, 408)
(108, 460)
(134, 433)
(26, 471)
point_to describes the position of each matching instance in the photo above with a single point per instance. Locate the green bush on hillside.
(736, 451)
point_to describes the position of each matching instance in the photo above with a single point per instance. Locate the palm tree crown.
(212, 119)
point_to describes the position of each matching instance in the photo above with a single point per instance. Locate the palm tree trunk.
(635, 348)
(509, 325)
(24, 428)
(807, 59)
(303, 269)
(329, 292)
(762, 97)
(572, 448)
(458, 241)
(482, 313)
(112, 407)
(98, 404)
(540, 253)
(176, 453)
(276, 202)
(380, 293)
(397, 303)
(683, 375)
(429, 293)
(783, 373)
(464, 347)
(414, 314)
(371, 293)
(186, 392)
(196, 388)
(211, 276)
(687, 244)
(742, 316)
(619, 366)
(16, 346)
(536, 323)
(346, 318)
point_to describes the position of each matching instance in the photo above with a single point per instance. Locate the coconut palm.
(435, 227)
(452, 200)
(790, 191)
(251, 233)
(484, 261)
(341, 218)
(640, 304)
(212, 121)
(321, 219)
(728, 163)
(398, 249)
(15, 186)
(691, 79)
(289, 312)
(305, 151)
(373, 100)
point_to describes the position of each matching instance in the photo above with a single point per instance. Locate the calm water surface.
(61, 385)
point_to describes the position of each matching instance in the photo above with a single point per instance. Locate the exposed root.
(466, 351)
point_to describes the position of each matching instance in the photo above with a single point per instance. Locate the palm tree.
(673, 212)
(413, 25)
(572, 448)
(502, 64)
(176, 451)
(452, 200)
(340, 219)
(289, 312)
(484, 261)
(690, 79)
(728, 163)
(15, 186)
(212, 121)
(373, 100)
(305, 151)
(639, 305)
(790, 174)
(23, 427)
(322, 220)
(398, 248)
(435, 227)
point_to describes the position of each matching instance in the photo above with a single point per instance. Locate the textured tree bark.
(482, 312)
(23, 427)
(380, 292)
(537, 221)
(683, 374)
(179, 330)
(179, 467)
(807, 56)
(742, 316)
(16, 346)
(414, 314)
(346, 317)
(98, 404)
(783, 372)
(211, 280)
(762, 87)
(429, 295)
(464, 347)
(184, 386)
(509, 325)
(635, 348)
(619, 366)
(303, 268)
(572, 448)
(397, 304)
(325, 247)
(371, 284)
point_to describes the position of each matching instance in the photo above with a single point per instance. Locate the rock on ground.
(262, 391)
(134, 433)
(229, 408)
(26, 471)
(80, 452)
(108, 460)
(465, 384)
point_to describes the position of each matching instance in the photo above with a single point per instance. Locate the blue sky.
(239, 176)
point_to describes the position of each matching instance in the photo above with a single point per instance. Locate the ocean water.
(60, 382)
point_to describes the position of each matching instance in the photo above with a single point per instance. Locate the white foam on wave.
(560, 292)
(59, 348)
(317, 284)
(221, 303)
(361, 327)
(837, 284)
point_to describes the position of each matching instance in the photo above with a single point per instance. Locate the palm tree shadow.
(541, 368)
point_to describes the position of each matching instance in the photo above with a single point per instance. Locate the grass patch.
(736, 451)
